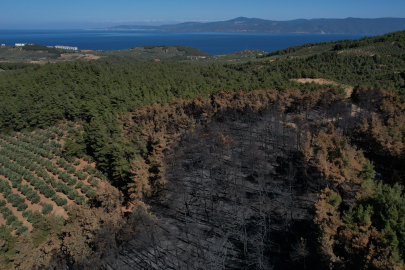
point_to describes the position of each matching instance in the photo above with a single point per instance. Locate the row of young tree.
(86, 238)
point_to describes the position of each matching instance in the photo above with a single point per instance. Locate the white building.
(20, 44)
(196, 57)
(66, 47)
(2, 45)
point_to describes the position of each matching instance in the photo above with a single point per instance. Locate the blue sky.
(75, 14)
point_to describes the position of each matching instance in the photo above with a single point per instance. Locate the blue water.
(212, 43)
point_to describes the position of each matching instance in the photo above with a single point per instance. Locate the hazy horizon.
(42, 14)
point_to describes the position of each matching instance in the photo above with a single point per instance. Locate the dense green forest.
(395, 37)
(259, 137)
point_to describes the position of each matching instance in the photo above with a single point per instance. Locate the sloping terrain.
(265, 164)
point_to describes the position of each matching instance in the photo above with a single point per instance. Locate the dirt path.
(348, 88)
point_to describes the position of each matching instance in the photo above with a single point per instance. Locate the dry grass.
(76, 56)
(348, 88)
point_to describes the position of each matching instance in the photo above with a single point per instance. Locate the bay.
(212, 43)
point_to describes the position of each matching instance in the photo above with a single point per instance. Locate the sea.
(211, 43)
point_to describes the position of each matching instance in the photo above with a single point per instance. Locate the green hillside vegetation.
(150, 53)
(391, 43)
(43, 54)
(219, 160)
(96, 92)
(32, 52)
(11, 53)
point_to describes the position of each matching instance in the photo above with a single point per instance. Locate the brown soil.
(91, 57)
(57, 178)
(85, 56)
(101, 183)
(81, 166)
(58, 210)
(38, 62)
(128, 208)
(348, 88)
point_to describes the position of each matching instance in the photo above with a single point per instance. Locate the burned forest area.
(288, 160)
(241, 184)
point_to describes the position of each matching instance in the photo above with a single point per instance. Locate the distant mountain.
(314, 26)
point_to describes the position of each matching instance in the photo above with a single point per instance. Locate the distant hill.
(314, 26)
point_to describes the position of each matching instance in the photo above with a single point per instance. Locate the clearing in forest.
(348, 89)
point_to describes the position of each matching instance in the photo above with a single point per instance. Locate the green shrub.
(88, 159)
(71, 169)
(79, 184)
(82, 175)
(73, 194)
(85, 188)
(10, 219)
(70, 159)
(61, 162)
(7, 192)
(35, 199)
(21, 230)
(22, 207)
(14, 184)
(93, 181)
(3, 209)
(72, 181)
(26, 213)
(91, 193)
(47, 208)
(53, 182)
(59, 200)
(48, 191)
(62, 187)
(38, 184)
(15, 224)
(79, 199)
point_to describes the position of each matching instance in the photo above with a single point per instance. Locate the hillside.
(288, 160)
(39, 54)
(385, 45)
(314, 26)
